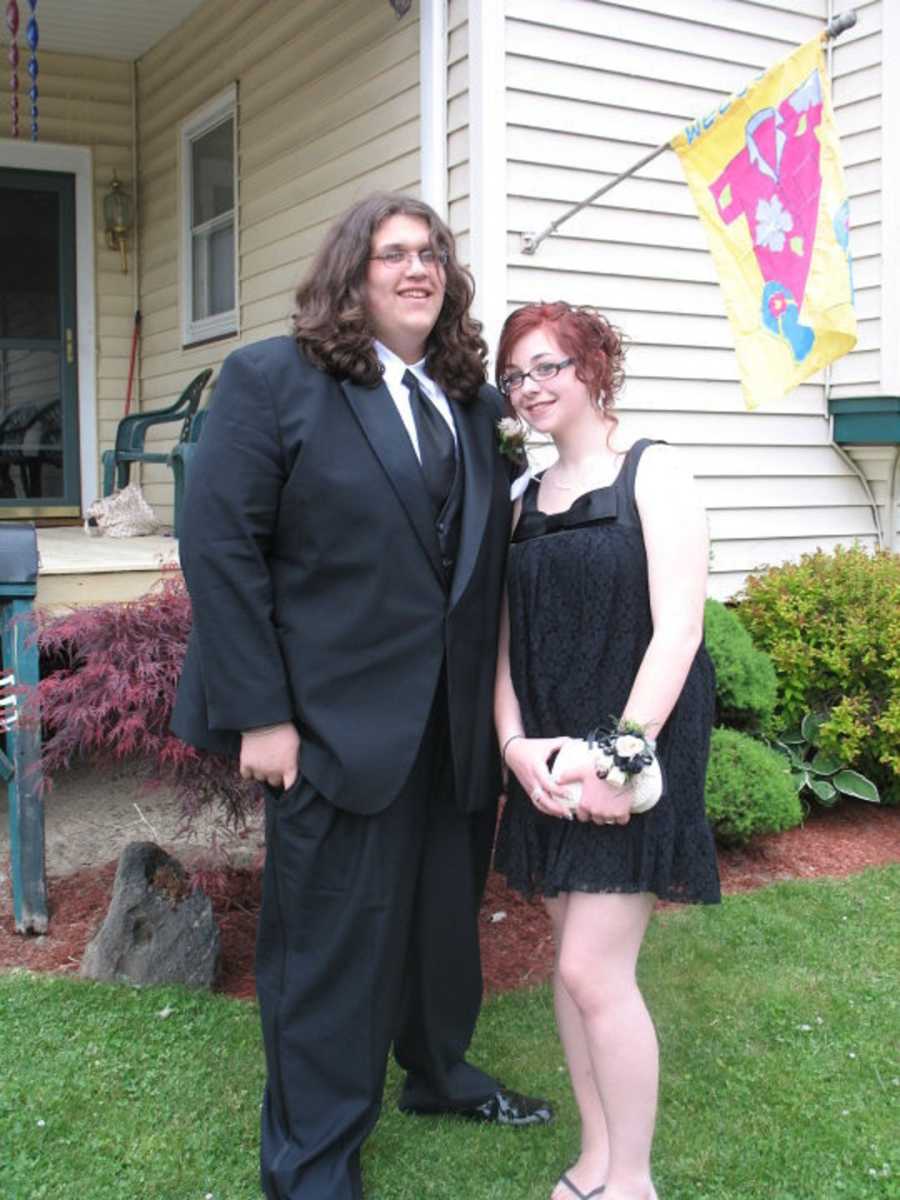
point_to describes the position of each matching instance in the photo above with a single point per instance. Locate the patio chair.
(30, 439)
(132, 432)
(180, 457)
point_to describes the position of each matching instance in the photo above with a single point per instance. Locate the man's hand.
(271, 755)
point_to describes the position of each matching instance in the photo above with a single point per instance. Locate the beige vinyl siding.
(87, 102)
(591, 88)
(328, 110)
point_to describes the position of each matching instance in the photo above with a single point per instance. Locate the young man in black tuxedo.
(344, 545)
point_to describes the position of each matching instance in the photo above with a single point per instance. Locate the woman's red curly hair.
(583, 333)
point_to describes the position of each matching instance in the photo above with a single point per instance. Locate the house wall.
(87, 102)
(591, 88)
(328, 110)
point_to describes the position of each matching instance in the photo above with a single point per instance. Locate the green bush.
(832, 626)
(746, 685)
(748, 789)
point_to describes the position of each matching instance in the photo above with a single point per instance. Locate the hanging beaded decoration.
(31, 33)
(12, 24)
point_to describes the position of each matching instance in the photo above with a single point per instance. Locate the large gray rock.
(156, 929)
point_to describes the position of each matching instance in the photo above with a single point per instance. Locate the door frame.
(77, 161)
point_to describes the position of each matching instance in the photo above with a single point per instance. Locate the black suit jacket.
(313, 565)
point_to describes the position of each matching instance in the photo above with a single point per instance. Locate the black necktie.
(437, 447)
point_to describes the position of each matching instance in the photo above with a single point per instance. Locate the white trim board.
(487, 156)
(433, 90)
(77, 161)
(890, 198)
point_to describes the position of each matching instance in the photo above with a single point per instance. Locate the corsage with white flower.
(511, 439)
(625, 757)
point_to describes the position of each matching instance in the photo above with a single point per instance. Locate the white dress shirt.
(394, 370)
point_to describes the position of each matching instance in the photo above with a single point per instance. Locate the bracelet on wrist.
(512, 737)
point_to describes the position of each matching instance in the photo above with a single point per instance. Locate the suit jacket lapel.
(475, 431)
(386, 434)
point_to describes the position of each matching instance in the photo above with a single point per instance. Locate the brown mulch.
(516, 945)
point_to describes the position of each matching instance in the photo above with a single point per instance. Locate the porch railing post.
(20, 765)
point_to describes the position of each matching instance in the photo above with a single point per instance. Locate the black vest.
(447, 524)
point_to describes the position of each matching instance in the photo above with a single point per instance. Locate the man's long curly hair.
(331, 319)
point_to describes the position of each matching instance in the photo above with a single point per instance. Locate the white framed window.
(209, 301)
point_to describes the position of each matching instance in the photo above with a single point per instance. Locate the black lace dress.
(580, 623)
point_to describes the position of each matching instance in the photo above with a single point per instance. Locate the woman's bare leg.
(589, 1171)
(600, 938)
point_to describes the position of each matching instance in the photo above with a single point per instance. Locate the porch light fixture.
(117, 219)
(401, 7)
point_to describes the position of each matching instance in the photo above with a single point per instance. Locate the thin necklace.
(564, 487)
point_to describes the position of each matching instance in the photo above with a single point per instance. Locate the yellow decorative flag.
(765, 172)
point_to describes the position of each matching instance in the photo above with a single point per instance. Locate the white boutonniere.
(511, 439)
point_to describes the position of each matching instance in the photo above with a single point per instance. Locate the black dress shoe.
(502, 1108)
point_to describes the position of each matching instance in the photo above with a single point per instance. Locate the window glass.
(29, 263)
(213, 173)
(213, 272)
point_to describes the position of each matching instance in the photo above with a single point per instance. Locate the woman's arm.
(507, 714)
(526, 757)
(677, 545)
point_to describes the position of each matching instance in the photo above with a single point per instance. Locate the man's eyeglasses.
(513, 380)
(399, 258)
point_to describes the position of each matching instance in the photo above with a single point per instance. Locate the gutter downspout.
(838, 449)
(136, 246)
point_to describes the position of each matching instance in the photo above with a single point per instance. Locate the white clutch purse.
(644, 785)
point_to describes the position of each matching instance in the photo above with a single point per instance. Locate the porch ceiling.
(123, 29)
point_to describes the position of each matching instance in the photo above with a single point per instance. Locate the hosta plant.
(820, 772)
(831, 623)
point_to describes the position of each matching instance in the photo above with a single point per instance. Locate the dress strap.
(626, 478)
(529, 496)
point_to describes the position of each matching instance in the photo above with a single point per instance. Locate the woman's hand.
(600, 802)
(271, 755)
(527, 759)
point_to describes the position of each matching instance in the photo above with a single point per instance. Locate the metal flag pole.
(530, 241)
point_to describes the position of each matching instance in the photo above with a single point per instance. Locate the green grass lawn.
(777, 1015)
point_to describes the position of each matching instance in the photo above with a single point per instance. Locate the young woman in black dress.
(604, 624)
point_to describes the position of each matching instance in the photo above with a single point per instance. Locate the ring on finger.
(536, 793)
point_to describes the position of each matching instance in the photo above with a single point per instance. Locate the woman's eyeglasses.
(513, 380)
(399, 258)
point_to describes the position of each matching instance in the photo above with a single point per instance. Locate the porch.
(76, 569)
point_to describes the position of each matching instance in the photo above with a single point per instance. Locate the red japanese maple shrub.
(108, 684)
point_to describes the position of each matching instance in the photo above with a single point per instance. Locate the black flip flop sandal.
(579, 1195)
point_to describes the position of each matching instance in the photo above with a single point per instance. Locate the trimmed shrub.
(109, 675)
(746, 685)
(832, 626)
(748, 789)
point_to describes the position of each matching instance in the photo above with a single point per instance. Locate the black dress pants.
(368, 935)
